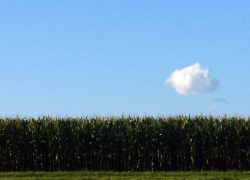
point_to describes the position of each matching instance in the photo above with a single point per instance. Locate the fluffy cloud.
(192, 80)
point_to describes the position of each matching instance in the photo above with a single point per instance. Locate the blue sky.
(91, 57)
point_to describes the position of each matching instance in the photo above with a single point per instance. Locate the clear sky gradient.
(113, 57)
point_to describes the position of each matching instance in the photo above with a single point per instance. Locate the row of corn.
(179, 143)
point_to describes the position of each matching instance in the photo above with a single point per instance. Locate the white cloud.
(192, 80)
(214, 106)
(216, 102)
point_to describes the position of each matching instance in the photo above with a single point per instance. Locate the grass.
(87, 175)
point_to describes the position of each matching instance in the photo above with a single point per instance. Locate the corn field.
(179, 143)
